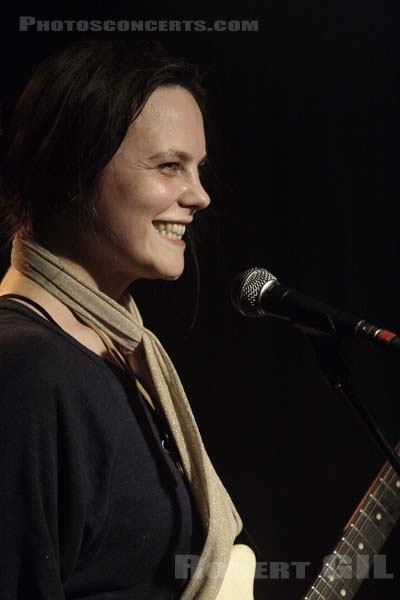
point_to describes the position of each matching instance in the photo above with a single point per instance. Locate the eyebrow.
(171, 152)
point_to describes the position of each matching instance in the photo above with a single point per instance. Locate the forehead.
(171, 116)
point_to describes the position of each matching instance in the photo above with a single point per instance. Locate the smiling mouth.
(172, 231)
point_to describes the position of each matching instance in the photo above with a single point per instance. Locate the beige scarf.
(121, 323)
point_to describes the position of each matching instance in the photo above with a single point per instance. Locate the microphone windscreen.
(246, 288)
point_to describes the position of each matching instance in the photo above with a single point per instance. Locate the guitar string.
(324, 580)
(347, 539)
(350, 533)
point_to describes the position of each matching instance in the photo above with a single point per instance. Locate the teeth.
(173, 231)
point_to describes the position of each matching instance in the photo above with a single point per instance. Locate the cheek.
(152, 198)
(129, 199)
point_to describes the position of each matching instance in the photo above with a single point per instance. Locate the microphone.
(257, 293)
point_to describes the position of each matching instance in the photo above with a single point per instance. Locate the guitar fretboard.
(362, 539)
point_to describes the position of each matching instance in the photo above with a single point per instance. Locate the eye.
(170, 167)
(202, 165)
(203, 169)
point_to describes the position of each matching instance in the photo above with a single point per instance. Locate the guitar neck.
(362, 539)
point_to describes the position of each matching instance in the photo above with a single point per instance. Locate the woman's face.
(152, 186)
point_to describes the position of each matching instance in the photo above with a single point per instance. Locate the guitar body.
(238, 583)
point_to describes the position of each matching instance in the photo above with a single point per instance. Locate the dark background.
(305, 163)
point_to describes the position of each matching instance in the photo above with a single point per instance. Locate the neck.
(93, 260)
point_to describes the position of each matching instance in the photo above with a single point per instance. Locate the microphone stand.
(336, 373)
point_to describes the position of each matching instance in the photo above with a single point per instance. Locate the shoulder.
(37, 352)
(47, 383)
(27, 349)
(32, 375)
(38, 360)
(33, 346)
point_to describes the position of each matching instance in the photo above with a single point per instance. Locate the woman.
(108, 490)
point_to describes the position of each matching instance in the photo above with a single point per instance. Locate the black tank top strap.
(35, 304)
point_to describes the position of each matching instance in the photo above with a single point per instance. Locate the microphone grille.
(246, 289)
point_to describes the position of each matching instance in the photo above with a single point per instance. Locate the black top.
(91, 505)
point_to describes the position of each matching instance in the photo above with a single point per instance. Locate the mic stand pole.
(327, 350)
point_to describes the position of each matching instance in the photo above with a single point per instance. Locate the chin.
(166, 274)
(171, 277)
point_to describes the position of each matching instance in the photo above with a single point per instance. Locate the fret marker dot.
(361, 546)
(343, 592)
(331, 578)
(398, 483)
(379, 516)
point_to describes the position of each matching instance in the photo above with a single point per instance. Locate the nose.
(195, 196)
